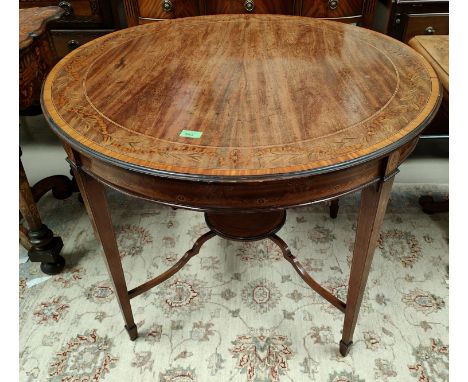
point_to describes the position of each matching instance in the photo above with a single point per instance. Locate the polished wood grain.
(283, 7)
(132, 12)
(169, 9)
(288, 113)
(326, 106)
(349, 11)
(332, 8)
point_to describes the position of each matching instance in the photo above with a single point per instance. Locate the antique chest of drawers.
(404, 19)
(352, 11)
(83, 20)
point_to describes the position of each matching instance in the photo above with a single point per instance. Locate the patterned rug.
(238, 311)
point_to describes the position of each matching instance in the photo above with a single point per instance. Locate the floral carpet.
(238, 311)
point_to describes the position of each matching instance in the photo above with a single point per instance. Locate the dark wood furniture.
(241, 117)
(36, 54)
(435, 49)
(404, 19)
(82, 21)
(349, 11)
(36, 58)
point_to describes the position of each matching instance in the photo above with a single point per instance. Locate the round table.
(241, 117)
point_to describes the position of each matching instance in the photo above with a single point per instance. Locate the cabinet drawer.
(85, 12)
(168, 9)
(283, 7)
(65, 40)
(428, 23)
(331, 8)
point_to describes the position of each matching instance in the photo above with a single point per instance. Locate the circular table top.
(240, 96)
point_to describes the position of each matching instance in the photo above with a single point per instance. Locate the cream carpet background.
(238, 311)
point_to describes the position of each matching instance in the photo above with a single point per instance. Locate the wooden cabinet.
(282, 7)
(331, 8)
(82, 21)
(404, 19)
(168, 9)
(416, 24)
(358, 11)
(66, 40)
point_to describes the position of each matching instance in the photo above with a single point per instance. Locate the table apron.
(242, 196)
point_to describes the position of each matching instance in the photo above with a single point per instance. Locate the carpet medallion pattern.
(238, 311)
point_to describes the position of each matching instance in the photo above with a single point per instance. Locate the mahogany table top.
(33, 21)
(235, 96)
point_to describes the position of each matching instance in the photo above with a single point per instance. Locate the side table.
(241, 117)
(435, 49)
(36, 57)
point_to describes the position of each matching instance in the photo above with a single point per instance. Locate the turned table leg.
(95, 200)
(374, 200)
(43, 245)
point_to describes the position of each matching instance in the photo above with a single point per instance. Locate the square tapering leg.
(95, 200)
(374, 199)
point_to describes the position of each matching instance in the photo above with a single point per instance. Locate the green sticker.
(190, 134)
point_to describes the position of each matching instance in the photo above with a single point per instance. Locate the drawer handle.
(249, 5)
(73, 44)
(167, 5)
(67, 7)
(430, 30)
(333, 4)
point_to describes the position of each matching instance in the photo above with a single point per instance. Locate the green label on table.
(191, 134)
